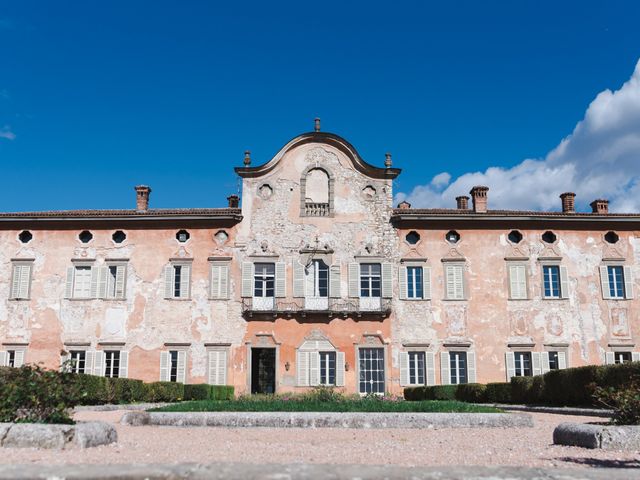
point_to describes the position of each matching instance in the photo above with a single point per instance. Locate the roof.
(329, 139)
(207, 215)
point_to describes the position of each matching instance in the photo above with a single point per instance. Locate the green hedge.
(202, 391)
(571, 387)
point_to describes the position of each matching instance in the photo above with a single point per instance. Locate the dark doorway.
(263, 370)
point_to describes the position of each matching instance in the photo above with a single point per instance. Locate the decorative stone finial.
(387, 160)
(317, 124)
(247, 158)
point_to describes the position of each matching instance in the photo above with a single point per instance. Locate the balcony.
(316, 209)
(316, 306)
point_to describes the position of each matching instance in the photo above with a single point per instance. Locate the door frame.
(259, 344)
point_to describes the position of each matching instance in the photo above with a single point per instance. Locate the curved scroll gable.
(327, 138)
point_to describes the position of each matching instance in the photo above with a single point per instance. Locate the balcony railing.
(333, 307)
(316, 209)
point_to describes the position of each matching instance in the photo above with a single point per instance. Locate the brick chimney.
(600, 206)
(568, 202)
(142, 197)
(462, 202)
(234, 201)
(479, 197)
(404, 205)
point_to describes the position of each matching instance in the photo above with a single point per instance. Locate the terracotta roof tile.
(155, 212)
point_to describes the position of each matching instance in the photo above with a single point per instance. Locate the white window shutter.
(387, 280)
(628, 282)
(510, 361)
(213, 367)
(339, 369)
(15, 281)
(123, 372)
(185, 281)
(564, 283)
(535, 361)
(298, 279)
(445, 369)
(402, 282)
(404, 368)
(224, 281)
(182, 366)
(426, 283)
(98, 363)
(3, 359)
(562, 360)
(302, 368)
(64, 358)
(471, 367)
(609, 358)
(121, 280)
(164, 366)
(168, 281)
(222, 367)
(214, 280)
(88, 362)
(25, 281)
(281, 279)
(247, 279)
(517, 282)
(334, 281)
(604, 283)
(450, 287)
(430, 368)
(95, 273)
(19, 359)
(635, 356)
(68, 288)
(314, 368)
(103, 272)
(354, 280)
(544, 361)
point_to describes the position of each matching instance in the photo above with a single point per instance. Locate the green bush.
(572, 386)
(221, 392)
(33, 394)
(522, 390)
(414, 394)
(623, 400)
(471, 392)
(497, 393)
(197, 391)
(164, 392)
(441, 392)
(92, 389)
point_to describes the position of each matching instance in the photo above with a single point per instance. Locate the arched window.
(316, 188)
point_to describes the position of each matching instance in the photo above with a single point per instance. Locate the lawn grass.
(345, 405)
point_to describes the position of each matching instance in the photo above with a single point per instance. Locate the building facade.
(319, 280)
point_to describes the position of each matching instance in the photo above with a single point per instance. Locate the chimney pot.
(479, 197)
(462, 202)
(404, 205)
(234, 201)
(247, 158)
(387, 160)
(600, 206)
(568, 202)
(316, 126)
(142, 197)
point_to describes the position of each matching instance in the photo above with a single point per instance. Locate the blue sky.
(96, 97)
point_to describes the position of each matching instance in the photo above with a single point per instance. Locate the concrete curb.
(328, 419)
(606, 437)
(238, 471)
(39, 435)
(587, 412)
(110, 407)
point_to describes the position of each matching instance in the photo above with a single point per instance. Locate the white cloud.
(600, 159)
(5, 132)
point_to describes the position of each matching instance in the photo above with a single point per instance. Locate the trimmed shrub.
(221, 392)
(471, 392)
(92, 389)
(441, 392)
(497, 393)
(33, 394)
(573, 386)
(414, 394)
(198, 391)
(164, 392)
(522, 390)
(125, 390)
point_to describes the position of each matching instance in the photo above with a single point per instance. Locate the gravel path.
(409, 447)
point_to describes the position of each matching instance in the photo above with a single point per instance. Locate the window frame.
(383, 381)
(264, 278)
(614, 294)
(82, 266)
(519, 356)
(110, 358)
(550, 267)
(413, 372)
(327, 358)
(418, 283)
(75, 364)
(16, 273)
(454, 358)
(368, 278)
(462, 293)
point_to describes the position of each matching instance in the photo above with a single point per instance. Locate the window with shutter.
(458, 368)
(21, 280)
(517, 282)
(83, 278)
(217, 374)
(454, 278)
(551, 281)
(219, 282)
